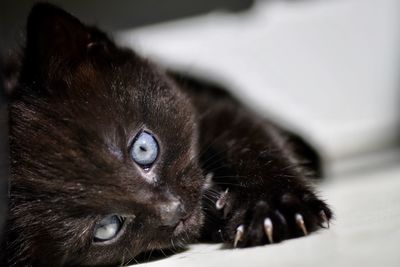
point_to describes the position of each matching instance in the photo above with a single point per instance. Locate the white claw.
(268, 229)
(238, 235)
(300, 222)
(325, 220)
(221, 200)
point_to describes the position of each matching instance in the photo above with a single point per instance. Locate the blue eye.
(144, 150)
(107, 228)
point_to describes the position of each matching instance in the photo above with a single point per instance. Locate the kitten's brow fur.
(76, 106)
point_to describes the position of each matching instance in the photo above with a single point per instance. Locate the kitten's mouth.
(185, 223)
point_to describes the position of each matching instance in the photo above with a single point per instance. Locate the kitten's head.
(103, 151)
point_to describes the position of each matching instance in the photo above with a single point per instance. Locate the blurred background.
(328, 70)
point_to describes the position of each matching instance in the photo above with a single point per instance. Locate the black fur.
(78, 103)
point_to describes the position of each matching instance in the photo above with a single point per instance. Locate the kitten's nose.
(171, 213)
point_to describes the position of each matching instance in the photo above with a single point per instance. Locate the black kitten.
(110, 157)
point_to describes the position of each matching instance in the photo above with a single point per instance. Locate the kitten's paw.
(266, 222)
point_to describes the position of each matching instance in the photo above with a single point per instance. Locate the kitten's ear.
(56, 37)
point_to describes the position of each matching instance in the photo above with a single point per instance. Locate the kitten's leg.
(260, 189)
(260, 192)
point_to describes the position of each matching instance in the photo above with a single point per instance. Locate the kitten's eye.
(144, 149)
(107, 228)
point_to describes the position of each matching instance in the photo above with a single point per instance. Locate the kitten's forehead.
(130, 89)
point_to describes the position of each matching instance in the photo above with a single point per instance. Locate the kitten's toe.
(304, 214)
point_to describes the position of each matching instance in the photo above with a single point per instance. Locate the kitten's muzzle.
(172, 213)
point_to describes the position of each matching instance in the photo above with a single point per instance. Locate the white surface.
(365, 232)
(327, 69)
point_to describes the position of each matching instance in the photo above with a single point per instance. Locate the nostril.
(171, 213)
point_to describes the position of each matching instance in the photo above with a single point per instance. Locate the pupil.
(142, 148)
